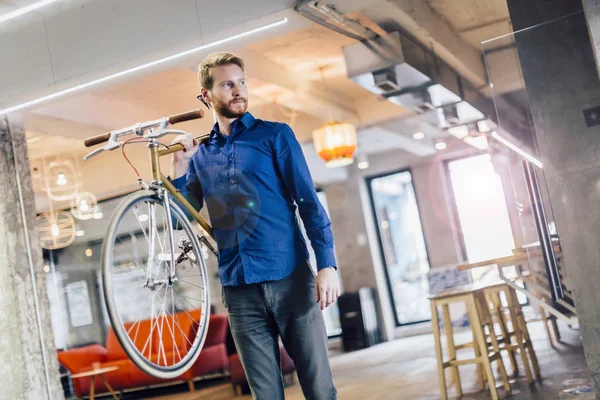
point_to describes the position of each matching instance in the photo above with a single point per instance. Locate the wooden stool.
(515, 337)
(479, 318)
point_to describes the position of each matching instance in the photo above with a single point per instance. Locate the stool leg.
(92, 387)
(455, 374)
(499, 310)
(486, 320)
(480, 342)
(526, 337)
(546, 326)
(110, 389)
(514, 318)
(555, 328)
(480, 373)
(438, 350)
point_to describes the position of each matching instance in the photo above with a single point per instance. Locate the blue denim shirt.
(251, 182)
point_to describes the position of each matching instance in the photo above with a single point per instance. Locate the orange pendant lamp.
(335, 143)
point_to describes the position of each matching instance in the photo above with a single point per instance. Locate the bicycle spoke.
(137, 218)
(192, 284)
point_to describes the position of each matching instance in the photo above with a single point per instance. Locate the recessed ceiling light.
(460, 132)
(479, 142)
(419, 135)
(483, 126)
(440, 145)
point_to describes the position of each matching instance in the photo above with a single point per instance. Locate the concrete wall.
(28, 364)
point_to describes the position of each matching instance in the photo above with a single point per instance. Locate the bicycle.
(160, 262)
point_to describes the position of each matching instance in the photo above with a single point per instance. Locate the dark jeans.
(259, 313)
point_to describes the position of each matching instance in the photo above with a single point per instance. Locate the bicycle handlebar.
(94, 140)
(178, 147)
(173, 119)
(186, 116)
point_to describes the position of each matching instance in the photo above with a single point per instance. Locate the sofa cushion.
(217, 330)
(212, 359)
(138, 332)
(75, 360)
(238, 375)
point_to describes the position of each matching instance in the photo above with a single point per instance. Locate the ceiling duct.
(414, 78)
(404, 72)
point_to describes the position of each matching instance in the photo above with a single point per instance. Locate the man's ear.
(205, 98)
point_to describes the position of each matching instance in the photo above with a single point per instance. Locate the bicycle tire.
(145, 364)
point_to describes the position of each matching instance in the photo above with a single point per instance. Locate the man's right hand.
(181, 159)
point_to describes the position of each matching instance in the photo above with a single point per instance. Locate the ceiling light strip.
(517, 150)
(140, 67)
(24, 10)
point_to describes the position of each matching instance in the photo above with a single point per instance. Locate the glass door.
(402, 245)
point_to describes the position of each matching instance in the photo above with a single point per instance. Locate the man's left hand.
(328, 287)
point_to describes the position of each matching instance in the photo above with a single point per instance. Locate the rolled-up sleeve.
(297, 179)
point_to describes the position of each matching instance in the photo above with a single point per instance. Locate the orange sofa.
(213, 358)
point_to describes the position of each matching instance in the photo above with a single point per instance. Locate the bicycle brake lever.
(93, 153)
(112, 144)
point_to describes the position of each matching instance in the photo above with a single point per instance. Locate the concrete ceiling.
(284, 86)
(475, 20)
(297, 76)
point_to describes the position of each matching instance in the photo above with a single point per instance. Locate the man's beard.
(226, 109)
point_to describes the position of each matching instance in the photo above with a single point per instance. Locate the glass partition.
(537, 77)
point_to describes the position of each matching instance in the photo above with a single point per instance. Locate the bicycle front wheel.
(155, 285)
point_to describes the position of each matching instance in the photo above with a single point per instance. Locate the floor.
(406, 369)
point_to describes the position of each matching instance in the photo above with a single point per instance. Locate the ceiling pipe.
(326, 15)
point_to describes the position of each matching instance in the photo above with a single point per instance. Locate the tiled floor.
(406, 369)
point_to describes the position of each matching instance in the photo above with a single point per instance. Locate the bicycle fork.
(152, 283)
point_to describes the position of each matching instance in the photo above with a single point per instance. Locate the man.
(250, 174)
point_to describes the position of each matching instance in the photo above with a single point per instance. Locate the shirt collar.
(245, 120)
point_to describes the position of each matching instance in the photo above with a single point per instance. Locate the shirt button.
(230, 159)
(233, 181)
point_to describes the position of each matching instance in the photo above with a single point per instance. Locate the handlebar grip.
(186, 116)
(94, 140)
(178, 147)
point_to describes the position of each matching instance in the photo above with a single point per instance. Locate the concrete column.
(592, 11)
(560, 74)
(28, 362)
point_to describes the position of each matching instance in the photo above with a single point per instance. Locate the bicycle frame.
(157, 176)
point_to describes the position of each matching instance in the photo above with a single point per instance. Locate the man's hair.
(205, 76)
